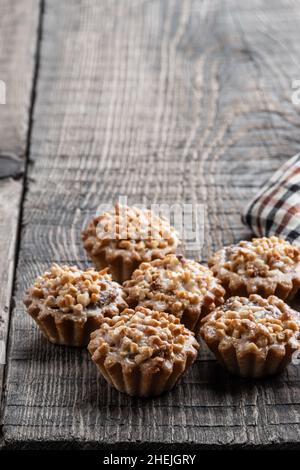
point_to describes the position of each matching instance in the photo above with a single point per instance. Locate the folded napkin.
(275, 210)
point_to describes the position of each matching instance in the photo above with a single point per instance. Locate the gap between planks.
(12, 194)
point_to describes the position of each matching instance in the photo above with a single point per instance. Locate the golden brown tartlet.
(178, 286)
(126, 236)
(264, 266)
(253, 337)
(68, 303)
(143, 352)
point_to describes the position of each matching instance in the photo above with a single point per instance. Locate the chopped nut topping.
(130, 229)
(264, 266)
(70, 290)
(142, 335)
(174, 284)
(252, 321)
(260, 257)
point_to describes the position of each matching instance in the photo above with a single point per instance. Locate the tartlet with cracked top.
(68, 303)
(124, 237)
(253, 337)
(264, 266)
(143, 352)
(176, 285)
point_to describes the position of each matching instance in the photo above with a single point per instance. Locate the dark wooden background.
(162, 101)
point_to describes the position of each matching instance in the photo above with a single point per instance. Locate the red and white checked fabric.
(275, 210)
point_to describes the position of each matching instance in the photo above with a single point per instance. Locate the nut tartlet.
(124, 237)
(142, 352)
(252, 337)
(264, 266)
(178, 286)
(68, 303)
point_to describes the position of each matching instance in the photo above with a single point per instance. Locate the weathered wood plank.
(165, 101)
(18, 39)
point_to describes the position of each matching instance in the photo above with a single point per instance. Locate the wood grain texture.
(162, 101)
(18, 39)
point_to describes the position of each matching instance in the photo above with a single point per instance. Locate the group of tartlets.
(143, 309)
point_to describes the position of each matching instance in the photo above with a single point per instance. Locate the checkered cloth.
(275, 210)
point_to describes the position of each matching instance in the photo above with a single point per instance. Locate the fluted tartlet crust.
(264, 266)
(126, 236)
(178, 286)
(142, 352)
(67, 303)
(253, 337)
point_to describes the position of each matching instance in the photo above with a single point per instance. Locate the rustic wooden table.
(159, 100)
